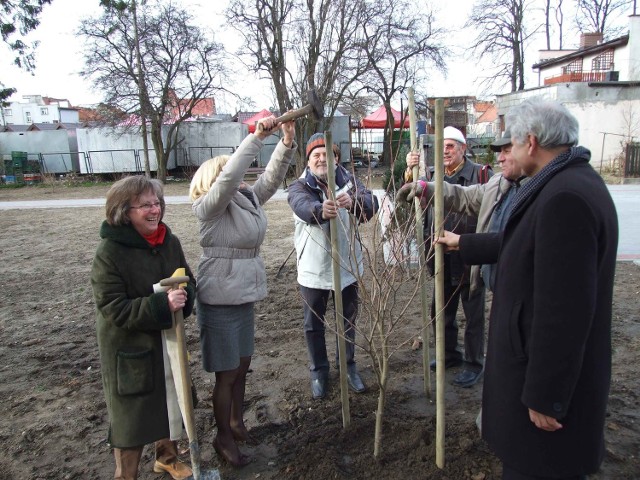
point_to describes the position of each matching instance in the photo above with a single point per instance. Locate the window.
(27, 117)
(603, 62)
(575, 66)
(44, 111)
(7, 112)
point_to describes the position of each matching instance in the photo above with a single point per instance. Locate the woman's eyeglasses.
(147, 206)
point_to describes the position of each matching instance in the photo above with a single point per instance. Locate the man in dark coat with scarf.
(548, 365)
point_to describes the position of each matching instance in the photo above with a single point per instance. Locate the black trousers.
(509, 473)
(315, 307)
(474, 331)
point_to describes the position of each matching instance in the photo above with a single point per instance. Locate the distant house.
(600, 84)
(457, 111)
(594, 61)
(482, 122)
(201, 108)
(39, 109)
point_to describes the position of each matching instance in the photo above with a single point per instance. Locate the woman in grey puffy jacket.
(231, 274)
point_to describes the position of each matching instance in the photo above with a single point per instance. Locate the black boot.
(354, 380)
(319, 385)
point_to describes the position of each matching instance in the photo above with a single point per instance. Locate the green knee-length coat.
(130, 318)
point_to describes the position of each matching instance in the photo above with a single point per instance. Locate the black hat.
(502, 141)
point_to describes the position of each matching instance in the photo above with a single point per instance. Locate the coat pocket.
(515, 332)
(134, 370)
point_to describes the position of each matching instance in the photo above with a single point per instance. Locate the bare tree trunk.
(158, 147)
(382, 395)
(547, 23)
(560, 22)
(142, 91)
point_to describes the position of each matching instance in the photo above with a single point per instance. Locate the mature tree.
(598, 15)
(501, 38)
(132, 6)
(323, 45)
(181, 65)
(17, 18)
(303, 45)
(401, 44)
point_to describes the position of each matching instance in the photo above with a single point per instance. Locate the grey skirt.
(226, 334)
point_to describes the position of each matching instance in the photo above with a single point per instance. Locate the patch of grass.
(11, 186)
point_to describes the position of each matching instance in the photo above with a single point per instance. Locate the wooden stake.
(439, 282)
(337, 284)
(422, 264)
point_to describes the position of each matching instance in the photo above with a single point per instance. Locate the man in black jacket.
(548, 366)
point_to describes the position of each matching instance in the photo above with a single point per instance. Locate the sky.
(59, 54)
(59, 58)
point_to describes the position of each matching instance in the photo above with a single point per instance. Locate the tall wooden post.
(337, 284)
(422, 264)
(439, 282)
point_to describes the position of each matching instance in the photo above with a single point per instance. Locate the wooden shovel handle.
(292, 115)
(173, 281)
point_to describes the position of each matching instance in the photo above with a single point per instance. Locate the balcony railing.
(581, 77)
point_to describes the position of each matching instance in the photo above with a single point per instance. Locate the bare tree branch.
(502, 37)
(598, 15)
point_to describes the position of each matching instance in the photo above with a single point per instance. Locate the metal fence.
(196, 156)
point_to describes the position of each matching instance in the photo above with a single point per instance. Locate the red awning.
(251, 121)
(378, 119)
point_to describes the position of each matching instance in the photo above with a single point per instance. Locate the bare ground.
(53, 422)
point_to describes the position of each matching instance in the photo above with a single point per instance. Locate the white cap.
(452, 133)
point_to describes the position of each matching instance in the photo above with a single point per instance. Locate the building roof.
(60, 102)
(482, 106)
(16, 128)
(489, 115)
(45, 126)
(240, 117)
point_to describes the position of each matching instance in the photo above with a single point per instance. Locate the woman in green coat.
(137, 251)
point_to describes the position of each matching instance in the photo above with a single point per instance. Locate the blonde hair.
(206, 175)
(126, 190)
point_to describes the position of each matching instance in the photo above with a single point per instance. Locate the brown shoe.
(177, 470)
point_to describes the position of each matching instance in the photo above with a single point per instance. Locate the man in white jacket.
(313, 208)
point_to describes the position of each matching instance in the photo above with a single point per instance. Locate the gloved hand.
(409, 191)
(405, 191)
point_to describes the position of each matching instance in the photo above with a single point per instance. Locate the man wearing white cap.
(460, 171)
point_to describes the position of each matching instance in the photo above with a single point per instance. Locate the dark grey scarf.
(535, 183)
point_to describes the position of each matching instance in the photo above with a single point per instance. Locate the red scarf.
(157, 237)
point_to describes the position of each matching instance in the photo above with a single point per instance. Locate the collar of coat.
(127, 235)
(573, 156)
(467, 171)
